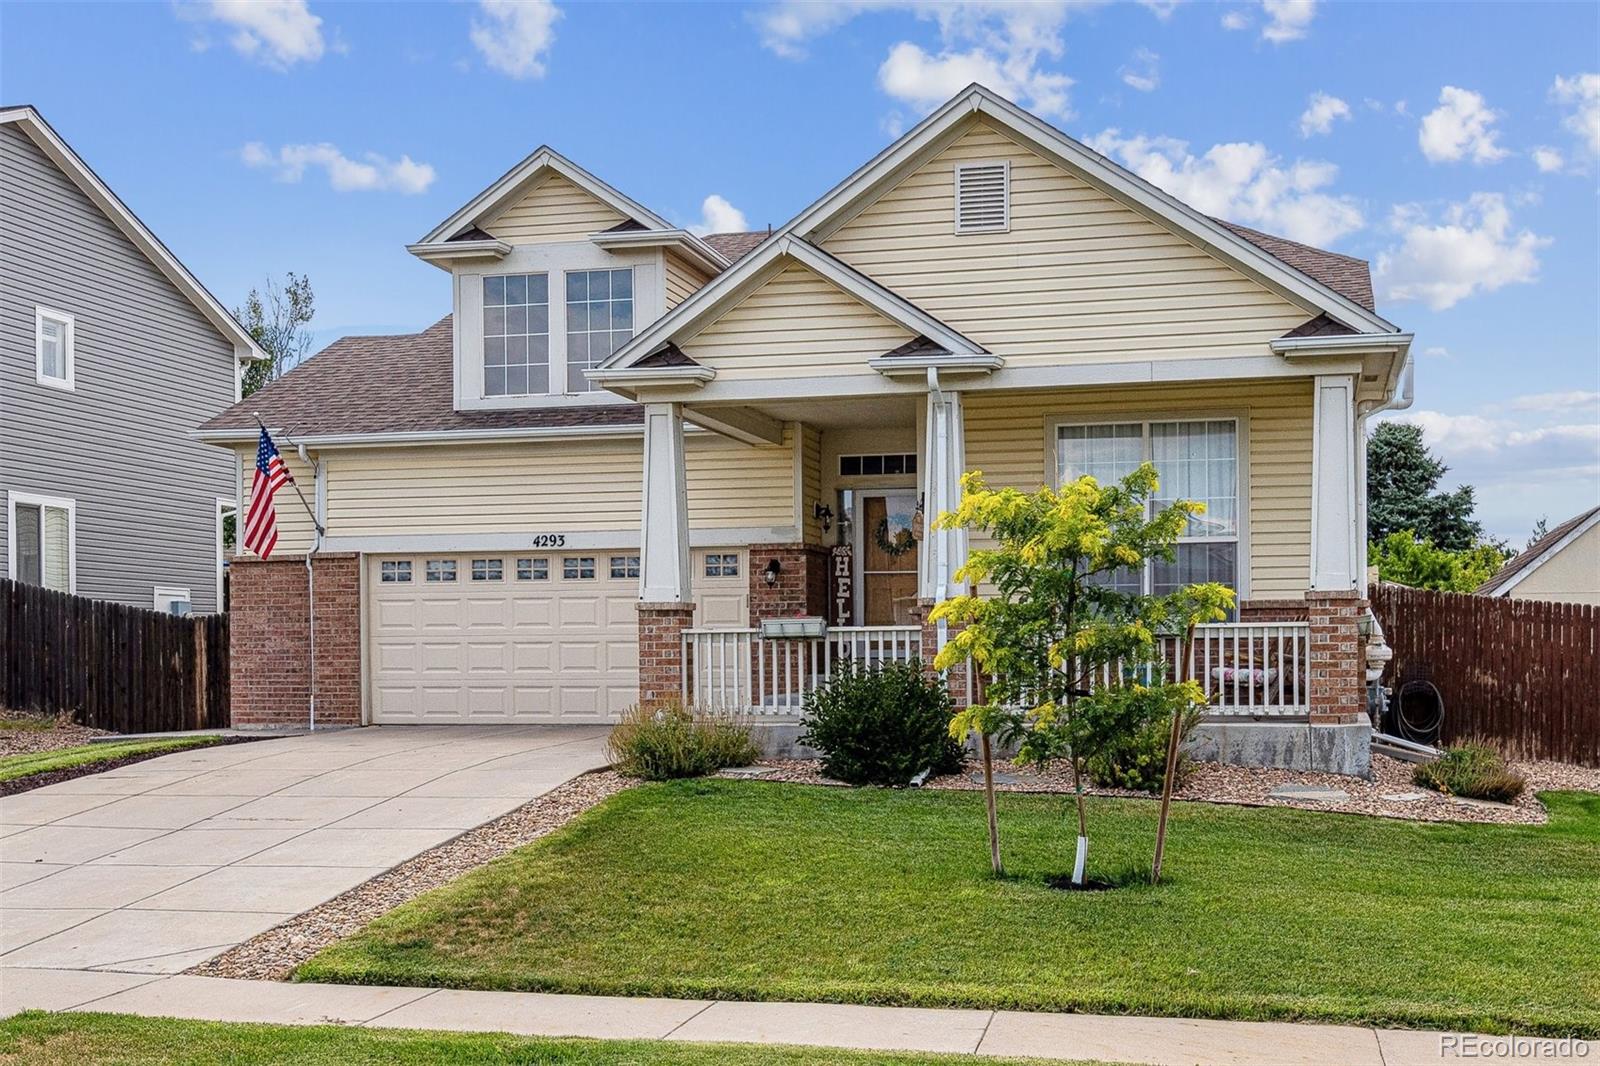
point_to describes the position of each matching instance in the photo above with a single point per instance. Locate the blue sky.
(1456, 146)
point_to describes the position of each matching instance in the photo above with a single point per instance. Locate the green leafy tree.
(1403, 491)
(1054, 623)
(1405, 559)
(276, 317)
(1541, 529)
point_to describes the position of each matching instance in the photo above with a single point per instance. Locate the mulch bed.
(51, 777)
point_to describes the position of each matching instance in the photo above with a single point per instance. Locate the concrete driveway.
(154, 867)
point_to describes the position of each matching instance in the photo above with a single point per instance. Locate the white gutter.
(1347, 344)
(443, 436)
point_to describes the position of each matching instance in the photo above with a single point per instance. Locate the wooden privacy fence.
(1524, 673)
(111, 666)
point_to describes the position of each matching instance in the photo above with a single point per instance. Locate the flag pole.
(311, 581)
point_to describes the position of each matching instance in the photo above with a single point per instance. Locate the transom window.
(533, 569)
(1196, 460)
(577, 567)
(599, 320)
(395, 571)
(487, 569)
(624, 566)
(873, 465)
(441, 570)
(53, 347)
(722, 564)
(516, 334)
(42, 542)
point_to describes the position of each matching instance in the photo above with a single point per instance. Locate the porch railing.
(1244, 668)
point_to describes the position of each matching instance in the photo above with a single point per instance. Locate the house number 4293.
(549, 540)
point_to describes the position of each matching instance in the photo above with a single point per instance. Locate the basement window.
(983, 197)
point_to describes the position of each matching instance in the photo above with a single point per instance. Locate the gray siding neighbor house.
(110, 353)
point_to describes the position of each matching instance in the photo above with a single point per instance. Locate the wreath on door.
(901, 543)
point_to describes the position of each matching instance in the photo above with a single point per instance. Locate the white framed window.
(395, 572)
(516, 334)
(983, 197)
(1196, 459)
(624, 566)
(575, 568)
(55, 341)
(722, 564)
(599, 320)
(487, 569)
(169, 599)
(441, 570)
(533, 569)
(42, 541)
(877, 465)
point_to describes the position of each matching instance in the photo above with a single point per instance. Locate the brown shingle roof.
(1344, 274)
(392, 384)
(1521, 561)
(735, 246)
(1321, 326)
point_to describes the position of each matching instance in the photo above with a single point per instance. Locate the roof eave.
(681, 241)
(1354, 344)
(917, 366)
(443, 253)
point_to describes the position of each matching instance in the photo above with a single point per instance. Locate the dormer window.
(516, 334)
(599, 320)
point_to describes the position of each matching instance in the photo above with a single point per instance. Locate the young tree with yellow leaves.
(1072, 663)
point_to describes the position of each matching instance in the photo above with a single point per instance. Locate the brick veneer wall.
(802, 585)
(956, 677)
(1267, 612)
(1338, 681)
(269, 636)
(661, 652)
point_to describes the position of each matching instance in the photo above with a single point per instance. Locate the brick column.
(661, 653)
(956, 678)
(1270, 612)
(802, 585)
(1337, 683)
(269, 641)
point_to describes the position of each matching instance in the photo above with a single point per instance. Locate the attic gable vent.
(983, 197)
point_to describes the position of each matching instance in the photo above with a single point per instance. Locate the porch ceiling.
(844, 413)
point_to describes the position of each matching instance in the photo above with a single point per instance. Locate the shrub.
(1138, 759)
(881, 725)
(1474, 770)
(660, 743)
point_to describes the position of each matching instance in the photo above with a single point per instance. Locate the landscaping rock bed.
(1388, 793)
(22, 734)
(272, 955)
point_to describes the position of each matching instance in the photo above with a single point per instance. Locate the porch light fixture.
(770, 573)
(824, 514)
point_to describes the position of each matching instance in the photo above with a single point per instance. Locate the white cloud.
(1287, 20)
(1235, 20)
(1241, 182)
(1321, 113)
(1462, 125)
(717, 215)
(1548, 160)
(924, 81)
(1472, 249)
(372, 172)
(1143, 71)
(1582, 92)
(1559, 401)
(1438, 351)
(275, 33)
(515, 35)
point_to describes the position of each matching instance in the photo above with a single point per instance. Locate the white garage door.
(509, 638)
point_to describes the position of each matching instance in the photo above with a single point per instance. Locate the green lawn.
(107, 1039)
(40, 762)
(750, 890)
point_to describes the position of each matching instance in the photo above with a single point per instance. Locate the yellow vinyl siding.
(294, 524)
(811, 484)
(548, 486)
(683, 280)
(1078, 275)
(1007, 439)
(554, 209)
(797, 322)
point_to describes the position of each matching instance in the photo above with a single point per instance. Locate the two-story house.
(629, 452)
(110, 353)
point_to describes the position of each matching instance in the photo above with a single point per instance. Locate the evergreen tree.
(1403, 492)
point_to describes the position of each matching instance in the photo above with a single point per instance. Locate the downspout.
(1378, 652)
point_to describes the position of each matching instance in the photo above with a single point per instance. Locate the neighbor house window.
(53, 348)
(516, 334)
(42, 534)
(722, 564)
(441, 570)
(395, 571)
(533, 569)
(487, 569)
(1196, 460)
(577, 567)
(624, 566)
(599, 320)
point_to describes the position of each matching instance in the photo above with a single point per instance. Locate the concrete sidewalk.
(159, 865)
(1163, 1041)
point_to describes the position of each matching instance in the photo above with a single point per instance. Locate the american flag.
(261, 524)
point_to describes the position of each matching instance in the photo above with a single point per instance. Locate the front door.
(888, 554)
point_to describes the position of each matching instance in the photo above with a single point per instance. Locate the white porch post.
(1335, 538)
(664, 533)
(943, 550)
